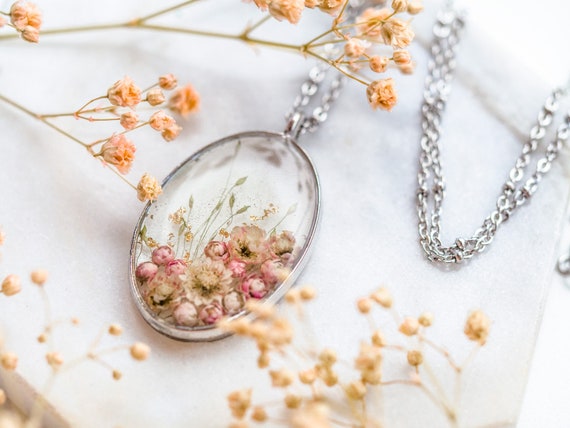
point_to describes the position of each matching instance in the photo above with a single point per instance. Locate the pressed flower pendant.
(235, 222)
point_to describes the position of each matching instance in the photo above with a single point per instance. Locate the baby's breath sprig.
(25, 18)
(317, 391)
(117, 151)
(373, 43)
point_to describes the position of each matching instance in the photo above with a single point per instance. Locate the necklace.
(235, 222)
(431, 187)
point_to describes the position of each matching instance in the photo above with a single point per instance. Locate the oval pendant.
(234, 222)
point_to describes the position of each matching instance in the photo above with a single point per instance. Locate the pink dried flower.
(167, 81)
(146, 271)
(186, 314)
(217, 250)
(160, 121)
(24, 14)
(209, 279)
(237, 267)
(171, 132)
(120, 152)
(355, 48)
(184, 101)
(212, 313)
(397, 33)
(247, 243)
(381, 94)
(148, 188)
(163, 255)
(282, 244)
(124, 93)
(273, 272)
(155, 97)
(330, 6)
(129, 120)
(233, 302)
(176, 267)
(289, 10)
(30, 34)
(255, 287)
(378, 63)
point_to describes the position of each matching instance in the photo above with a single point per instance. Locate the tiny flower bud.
(399, 6)
(378, 339)
(292, 296)
(355, 390)
(426, 319)
(11, 285)
(415, 358)
(31, 34)
(378, 63)
(415, 7)
(129, 120)
(308, 376)
(263, 360)
(281, 378)
(409, 326)
(383, 297)
(327, 357)
(364, 305)
(330, 378)
(155, 97)
(148, 189)
(477, 327)
(293, 401)
(140, 351)
(170, 133)
(54, 359)
(115, 330)
(259, 414)
(307, 293)
(239, 401)
(9, 360)
(42, 338)
(75, 321)
(159, 121)
(39, 276)
(401, 57)
(167, 81)
(117, 375)
(407, 68)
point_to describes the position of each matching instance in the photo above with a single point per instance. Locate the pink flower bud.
(216, 250)
(233, 302)
(255, 287)
(175, 267)
(186, 314)
(163, 255)
(146, 271)
(211, 313)
(237, 267)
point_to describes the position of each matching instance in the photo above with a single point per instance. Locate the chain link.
(431, 184)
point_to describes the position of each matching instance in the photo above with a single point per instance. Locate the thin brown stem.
(165, 11)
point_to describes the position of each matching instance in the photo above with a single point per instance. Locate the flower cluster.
(248, 264)
(25, 18)
(311, 389)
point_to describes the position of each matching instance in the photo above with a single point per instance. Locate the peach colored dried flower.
(117, 375)
(370, 21)
(119, 151)
(9, 361)
(311, 4)
(355, 390)
(415, 7)
(259, 414)
(54, 359)
(25, 14)
(30, 34)
(426, 319)
(171, 133)
(378, 63)
(330, 6)
(115, 330)
(289, 10)
(11, 285)
(399, 6)
(129, 120)
(407, 68)
(281, 378)
(364, 305)
(415, 358)
(148, 188)
(409, 326)
(167, 81)
(307, 292)
(477, 327)
(184, 101)
(261, 4)
(2, 397)
(160, 121)
(402, 57)
(355, 48)
(369, 363)
(155, 97)
(39, 276)
(124, 93)
(308, 376)
(397, 33)
(292, 401)
(314, 414)
(327, 357)
(383, 297)
(140, 351)
(239, 402)
(381, 94)
(378, 339)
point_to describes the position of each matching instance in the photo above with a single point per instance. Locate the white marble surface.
(74, 218)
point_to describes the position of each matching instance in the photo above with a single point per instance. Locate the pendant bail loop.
(295, 126)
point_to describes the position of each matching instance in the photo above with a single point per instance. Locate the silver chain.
(298, 122)
(431, 186)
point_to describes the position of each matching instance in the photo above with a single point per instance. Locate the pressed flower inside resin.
(234, 223)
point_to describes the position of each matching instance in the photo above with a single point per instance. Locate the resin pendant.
(235, 222)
